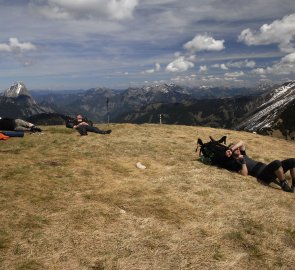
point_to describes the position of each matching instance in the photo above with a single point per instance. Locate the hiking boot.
(106, 131)
(285, 186)
(36, 129)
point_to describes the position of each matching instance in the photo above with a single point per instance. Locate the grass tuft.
(29, 265)
(4, 239)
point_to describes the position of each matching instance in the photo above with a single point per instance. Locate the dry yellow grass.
(71, 202)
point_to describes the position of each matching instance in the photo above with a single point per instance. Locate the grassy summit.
(71, 202)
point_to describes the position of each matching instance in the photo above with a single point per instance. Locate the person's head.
(79, 118)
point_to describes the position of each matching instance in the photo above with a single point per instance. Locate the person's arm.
(75, 124)
(244, 169)
(240, 145)
(240, 159)
(84, 122)
(232, 149)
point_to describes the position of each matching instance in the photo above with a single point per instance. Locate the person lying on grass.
(238, 161)
(11, 124)
(83, 125)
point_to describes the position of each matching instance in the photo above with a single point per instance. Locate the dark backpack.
(70, 123)
(213, 152)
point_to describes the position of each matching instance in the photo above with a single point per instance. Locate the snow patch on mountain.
(16, 90)
(268, 112)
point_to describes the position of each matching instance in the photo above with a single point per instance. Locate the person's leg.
(275, 170)
(292, 173)
(94, 129)
(82, 129)
(289, 165)
(97, 130)
(22, 125)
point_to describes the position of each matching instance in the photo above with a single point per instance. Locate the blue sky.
(81, 44)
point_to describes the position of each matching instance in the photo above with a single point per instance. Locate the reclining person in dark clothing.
(10, 124)
(237, 160)
(83, 125)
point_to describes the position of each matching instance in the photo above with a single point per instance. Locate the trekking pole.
(108, 112)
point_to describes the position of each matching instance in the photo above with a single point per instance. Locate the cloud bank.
(85, 9)
(281, 32)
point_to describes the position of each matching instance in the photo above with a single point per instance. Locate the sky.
(82, 44)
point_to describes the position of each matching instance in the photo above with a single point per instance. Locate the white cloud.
(285, 67)
(148, 71)
(203, 43)
(184, 79)
(179, 65)
(263, 77)
(157, 67)
(203, 69)
(15, 46)
(234, 74)
(233, 79)
(236, 64)
(224, 67)
(259, 71)
(250, 64)
(279, 31)
(289, 59)
(241, 64)
(153, 70)
(221, 66)
(192, 57)
(68, 9)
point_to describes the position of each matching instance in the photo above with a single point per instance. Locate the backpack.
(212, 152)
(70, 123)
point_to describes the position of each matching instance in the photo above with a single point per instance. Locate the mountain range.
(267, 109)
(270, 111)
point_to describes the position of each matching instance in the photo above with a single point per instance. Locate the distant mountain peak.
(16, 90)
(16, 102)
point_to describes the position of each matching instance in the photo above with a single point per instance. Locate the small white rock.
(122, 211)
(140, 166)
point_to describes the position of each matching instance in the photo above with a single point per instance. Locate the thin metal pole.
(108, 112)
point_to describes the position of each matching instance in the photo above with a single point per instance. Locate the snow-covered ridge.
(270, 110)
(162, 88)
(280, 92)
